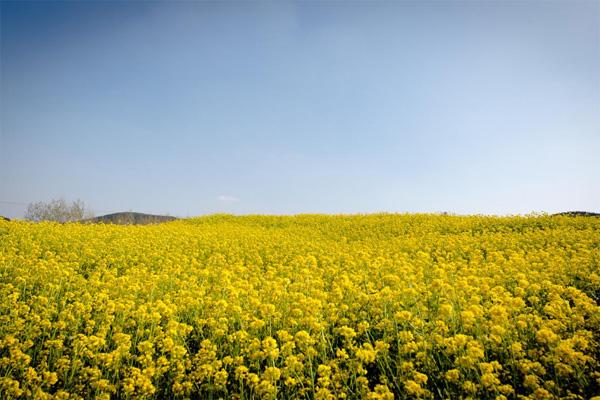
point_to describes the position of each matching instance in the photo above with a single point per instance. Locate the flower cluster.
(320, 307)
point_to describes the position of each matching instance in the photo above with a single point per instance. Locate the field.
(326, 307)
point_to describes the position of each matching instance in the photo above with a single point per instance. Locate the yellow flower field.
(312, 307)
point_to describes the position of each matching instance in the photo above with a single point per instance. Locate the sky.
(193, 108)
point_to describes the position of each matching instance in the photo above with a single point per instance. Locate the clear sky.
(191, 108)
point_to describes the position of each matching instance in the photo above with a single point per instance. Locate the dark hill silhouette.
(578, 214)
(130, 218)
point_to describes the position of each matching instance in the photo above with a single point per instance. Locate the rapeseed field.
(302, 307)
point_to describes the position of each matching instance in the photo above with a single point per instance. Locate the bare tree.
(58, 211)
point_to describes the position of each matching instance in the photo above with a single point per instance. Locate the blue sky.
(190, 108)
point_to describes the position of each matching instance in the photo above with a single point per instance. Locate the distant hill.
(130, 218)
(578, 214)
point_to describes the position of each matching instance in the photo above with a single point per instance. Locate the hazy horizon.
(193, 108)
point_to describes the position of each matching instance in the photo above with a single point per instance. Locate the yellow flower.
(452, 375)
(366, 353)
(346, 332)
(489, 380)
(306, 306)
(546, 336)
(272, 374)
(413, 388)
(381, 392)
(221, 378)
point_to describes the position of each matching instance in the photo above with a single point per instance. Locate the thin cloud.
(228, 199)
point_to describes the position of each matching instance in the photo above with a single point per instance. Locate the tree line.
(58, 210)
